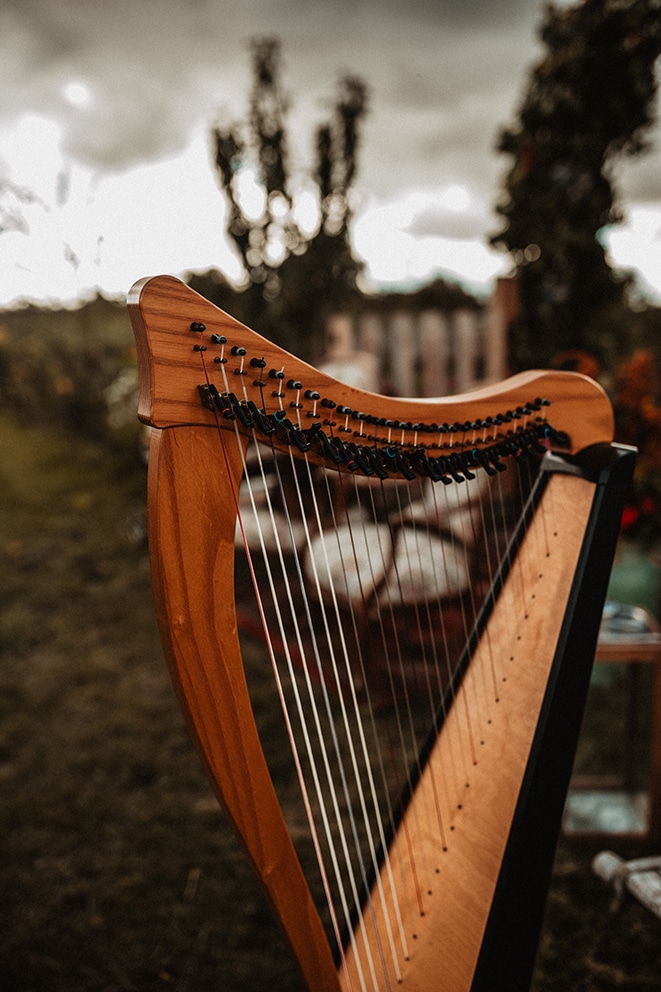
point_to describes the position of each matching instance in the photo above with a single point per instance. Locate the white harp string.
(299, 707)
(312, 760)
(409, 550)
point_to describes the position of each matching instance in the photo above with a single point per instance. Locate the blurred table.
(615, 805)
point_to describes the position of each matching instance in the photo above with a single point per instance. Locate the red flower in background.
(629, 517)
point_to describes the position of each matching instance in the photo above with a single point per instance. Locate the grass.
(118, 871)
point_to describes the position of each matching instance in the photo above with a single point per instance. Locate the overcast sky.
(124, 83)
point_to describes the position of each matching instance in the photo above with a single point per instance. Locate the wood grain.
(191, 536)
(519, 645)
(163, 308)
(460, 815)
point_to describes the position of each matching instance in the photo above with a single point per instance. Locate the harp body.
(454, 886)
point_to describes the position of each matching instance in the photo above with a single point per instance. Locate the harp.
(427, 579)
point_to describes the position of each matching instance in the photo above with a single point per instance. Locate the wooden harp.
(428, 577)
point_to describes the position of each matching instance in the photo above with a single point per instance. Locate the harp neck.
(201, 367)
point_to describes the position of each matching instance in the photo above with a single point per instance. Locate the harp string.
(470, 537)
(416, 750)
(357, 639)
(444, 673)
(401, 564)
(422, 640)
(465, 701)
(474, 501)
(493, 661)
(463, 540)
(525, 481)
(317, 661)
(282, 696)
(305, 730)
(285, 710)
(457, 550)
(315, 714)
(405, 572)
(406, 728)
(404, 749)
(348, 735)
(505, 515)
(364, 752)
(365, 601)
(411, 567)
(401, 754)
(467, 603)
(428, 665)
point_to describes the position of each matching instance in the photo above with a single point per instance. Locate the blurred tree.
(589, 101)
(12, 200)
(294, 276)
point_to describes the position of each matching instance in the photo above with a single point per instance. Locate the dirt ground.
(118, 871)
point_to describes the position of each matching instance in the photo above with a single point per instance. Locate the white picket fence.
(427, 353)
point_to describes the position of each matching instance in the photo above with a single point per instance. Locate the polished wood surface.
(523, 633)
(191, 539)
(195, 472)
(163, 308)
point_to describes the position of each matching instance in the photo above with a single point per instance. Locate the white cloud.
(420, 235)
(105, 109)
(636, 245)
(108, 231)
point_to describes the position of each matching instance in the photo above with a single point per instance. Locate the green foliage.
(57, 365)
(589, 102)
(294, 277)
